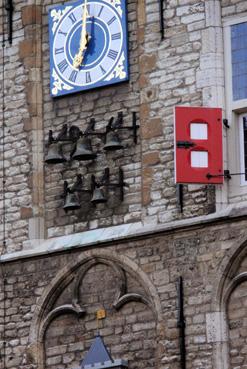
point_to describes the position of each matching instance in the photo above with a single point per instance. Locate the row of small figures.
(70, 194)
(82, 147)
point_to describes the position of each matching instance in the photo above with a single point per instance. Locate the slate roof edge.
(118, 233)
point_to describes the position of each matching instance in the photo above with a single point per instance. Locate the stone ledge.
(101, 236)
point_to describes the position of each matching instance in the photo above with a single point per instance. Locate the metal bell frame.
(99, 198)
(73, 190)
(113, 127)
(105, 181)
(74, 134)
(55, 152)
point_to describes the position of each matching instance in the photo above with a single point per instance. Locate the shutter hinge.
(226, 175)
(185, 144)
(226, 124)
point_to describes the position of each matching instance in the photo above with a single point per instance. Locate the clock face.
(88, 45)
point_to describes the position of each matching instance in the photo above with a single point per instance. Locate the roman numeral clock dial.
(88, 45)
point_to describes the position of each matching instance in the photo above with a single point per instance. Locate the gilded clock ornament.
(88, 45)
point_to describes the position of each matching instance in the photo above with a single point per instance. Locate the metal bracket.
(225, 122)
(161, 11)
(185, 144)
(9, 8)
(226, 175)
(76, 187)
(181, 324)
(72, 134)
(179, 196)
(105, 181)
(118, 125)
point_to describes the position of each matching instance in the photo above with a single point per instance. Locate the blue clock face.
(88, 45)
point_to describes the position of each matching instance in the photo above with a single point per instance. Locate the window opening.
(239, 60)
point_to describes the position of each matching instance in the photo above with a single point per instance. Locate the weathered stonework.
(52, 301)
(56, 274)
(162, 74)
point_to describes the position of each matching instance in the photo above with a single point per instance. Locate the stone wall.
(233, 7)
(77, 110)
(237, 314)
(48, 303)
(163, 73)
(51, 301)
(21, 129)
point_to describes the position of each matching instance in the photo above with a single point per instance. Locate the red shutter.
(198, 145)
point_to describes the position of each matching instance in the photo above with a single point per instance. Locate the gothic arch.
(45, 313)
(227, 270)
(227, 279)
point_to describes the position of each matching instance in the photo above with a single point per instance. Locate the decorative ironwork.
(118, 71)
(73, 134)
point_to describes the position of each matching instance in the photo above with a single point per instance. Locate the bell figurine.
(55, 154)
(112, 142)
(71, 202)
(98, 196)
(83, 150)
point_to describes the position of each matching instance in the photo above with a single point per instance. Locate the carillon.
(82, 150)
(55, 151)
(81, 140)
(70, 194)
(112, 141)
(97, 190)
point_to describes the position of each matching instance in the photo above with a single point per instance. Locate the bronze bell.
(83, 150)
(71, 202)
(98, 196)
(55, 154)
(112, 142)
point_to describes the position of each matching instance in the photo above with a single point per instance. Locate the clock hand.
(84, 40)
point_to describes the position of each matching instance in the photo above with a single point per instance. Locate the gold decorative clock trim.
(118, 71)
(57, 15)
(117, 6)
(59, 85)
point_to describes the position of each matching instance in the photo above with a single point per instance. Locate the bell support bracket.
(120, 184)
(72, 134)
(105, 181)
(76, 187)
(133, 127)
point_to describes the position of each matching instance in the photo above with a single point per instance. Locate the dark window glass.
(239, 60)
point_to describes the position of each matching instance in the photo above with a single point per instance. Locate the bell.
(98, 196)
(71, 202)
(112, 142)
(55, 154)
(83, 150)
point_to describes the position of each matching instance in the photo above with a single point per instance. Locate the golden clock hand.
(83, 40)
